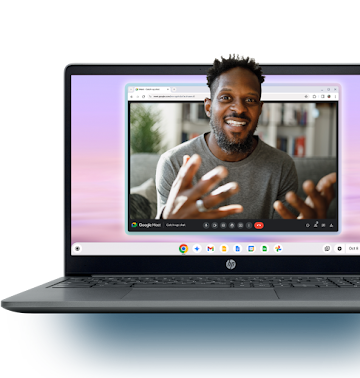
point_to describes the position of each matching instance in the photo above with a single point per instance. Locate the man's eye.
(250, 100)
(225, 97)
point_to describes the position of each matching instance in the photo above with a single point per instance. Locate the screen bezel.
(87, 265)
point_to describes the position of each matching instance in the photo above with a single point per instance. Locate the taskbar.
(233, 225)
(230, 248)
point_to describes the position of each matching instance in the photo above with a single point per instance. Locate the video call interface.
(297, 134)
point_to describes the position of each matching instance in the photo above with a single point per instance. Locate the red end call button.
(259, 225)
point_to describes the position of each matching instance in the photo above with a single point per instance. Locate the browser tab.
(151, 89)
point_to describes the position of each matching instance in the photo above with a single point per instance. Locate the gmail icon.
(210, 248)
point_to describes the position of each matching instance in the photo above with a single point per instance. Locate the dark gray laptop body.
(216, 296)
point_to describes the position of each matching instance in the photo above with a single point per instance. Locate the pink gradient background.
(98, 160)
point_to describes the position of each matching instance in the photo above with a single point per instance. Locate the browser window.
(299, 120)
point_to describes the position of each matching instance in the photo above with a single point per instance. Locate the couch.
(143, 191)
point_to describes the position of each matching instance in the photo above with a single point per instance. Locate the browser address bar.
(179, 96)
(287, 96)
(265, 96)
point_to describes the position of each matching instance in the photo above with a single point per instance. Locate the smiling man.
(230, 170)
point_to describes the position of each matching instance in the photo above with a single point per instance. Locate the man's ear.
(207, 106)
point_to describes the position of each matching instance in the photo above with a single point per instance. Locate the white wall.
(170, 124)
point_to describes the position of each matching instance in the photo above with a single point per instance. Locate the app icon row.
(237, 248)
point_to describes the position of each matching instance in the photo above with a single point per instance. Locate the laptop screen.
(161, 165)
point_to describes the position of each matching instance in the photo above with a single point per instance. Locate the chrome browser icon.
(183, 248)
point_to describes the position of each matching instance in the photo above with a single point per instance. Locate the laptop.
(225, 187)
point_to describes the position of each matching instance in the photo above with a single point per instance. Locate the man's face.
(234, 110)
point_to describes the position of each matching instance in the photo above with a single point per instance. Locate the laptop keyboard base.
(248, 282)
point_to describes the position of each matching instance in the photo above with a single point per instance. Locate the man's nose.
(239, 106)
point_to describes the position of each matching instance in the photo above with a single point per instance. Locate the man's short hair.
(227, 64)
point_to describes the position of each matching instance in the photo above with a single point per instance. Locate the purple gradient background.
(98, 160)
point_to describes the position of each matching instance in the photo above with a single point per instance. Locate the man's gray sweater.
(265, 176)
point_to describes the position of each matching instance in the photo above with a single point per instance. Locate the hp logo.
(230, 264)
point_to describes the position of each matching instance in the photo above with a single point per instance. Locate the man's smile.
(236, 122)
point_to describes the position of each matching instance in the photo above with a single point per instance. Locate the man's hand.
(181, 203)
(317, 202)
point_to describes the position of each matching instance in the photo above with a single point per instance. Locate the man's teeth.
(235, 123)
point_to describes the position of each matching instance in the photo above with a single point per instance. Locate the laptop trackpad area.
(318, 294)
(179, 294)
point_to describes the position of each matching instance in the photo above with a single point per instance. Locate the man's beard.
(231, 145)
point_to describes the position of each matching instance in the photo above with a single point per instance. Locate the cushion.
(143, 200)
(143, 167)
